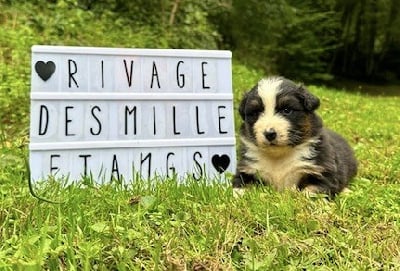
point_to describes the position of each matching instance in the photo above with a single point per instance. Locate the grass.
(198, 226)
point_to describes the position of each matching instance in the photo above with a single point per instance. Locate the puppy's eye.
(286, 111)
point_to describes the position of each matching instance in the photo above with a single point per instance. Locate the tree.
(293, 38)
(370, 34)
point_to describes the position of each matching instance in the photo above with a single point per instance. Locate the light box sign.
(121, 113)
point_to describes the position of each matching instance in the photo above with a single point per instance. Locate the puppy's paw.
(312, 191)
(238, 192)
(346, 191)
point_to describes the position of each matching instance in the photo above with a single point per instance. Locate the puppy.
(284, 144)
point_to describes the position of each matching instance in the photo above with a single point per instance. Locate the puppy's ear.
(310, 101)
(242, 105)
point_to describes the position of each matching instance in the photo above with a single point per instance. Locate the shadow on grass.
(372, 89)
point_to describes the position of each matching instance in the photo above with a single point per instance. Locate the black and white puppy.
(284, 144)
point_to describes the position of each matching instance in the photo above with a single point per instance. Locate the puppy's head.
(278, 113)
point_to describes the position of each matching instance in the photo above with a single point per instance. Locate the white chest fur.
(281, 167)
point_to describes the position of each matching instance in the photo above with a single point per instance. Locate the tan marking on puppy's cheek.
(307, 127)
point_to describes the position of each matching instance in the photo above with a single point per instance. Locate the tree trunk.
(173, 12)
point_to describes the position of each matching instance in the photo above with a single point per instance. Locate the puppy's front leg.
(240, 181)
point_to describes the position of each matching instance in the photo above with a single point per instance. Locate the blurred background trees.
(314, 40)
(308, 40)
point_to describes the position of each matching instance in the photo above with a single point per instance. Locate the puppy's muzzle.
(270, 134)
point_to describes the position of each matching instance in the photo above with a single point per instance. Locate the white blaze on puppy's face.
(268, 90)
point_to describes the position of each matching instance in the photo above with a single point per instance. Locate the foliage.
(175, 20)
(370, 39)
(305, 40)
(196, 226)
(199, 227)
(166, 226)
(292, 38)
(313, 40)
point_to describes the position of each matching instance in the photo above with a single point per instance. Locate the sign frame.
(193, 88)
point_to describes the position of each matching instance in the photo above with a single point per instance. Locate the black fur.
(331, 153)
(336, 157)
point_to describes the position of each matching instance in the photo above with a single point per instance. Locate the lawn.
(199, 226)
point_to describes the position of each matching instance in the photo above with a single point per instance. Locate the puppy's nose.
(270, 134)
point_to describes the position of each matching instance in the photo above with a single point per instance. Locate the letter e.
(221, 118)
(203, 73)
(52, 166)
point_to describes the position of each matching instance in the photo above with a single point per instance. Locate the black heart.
(220, 163)
(45, 70)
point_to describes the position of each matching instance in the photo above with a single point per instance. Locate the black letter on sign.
(115, 168)
(102, 74)
(198, 166)
(142, 160)
(129, 74)
(170, 168)
(154, 121)
(181, 83)
(67, 120)
(154, 74)
(43, 131)
(197, 122)
(85, 157)
(129, 112)
(97, 119)
(220, 118)
(204, 75)
(53, 168)
(174, 121)
(71, 73)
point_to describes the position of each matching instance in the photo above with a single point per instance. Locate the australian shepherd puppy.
(284, 144)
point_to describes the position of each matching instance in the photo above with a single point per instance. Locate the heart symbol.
(45, 70)
(220, 163)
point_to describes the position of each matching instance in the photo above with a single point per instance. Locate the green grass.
(197, 226)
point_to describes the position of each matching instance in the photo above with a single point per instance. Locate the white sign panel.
(120, 113)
